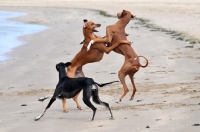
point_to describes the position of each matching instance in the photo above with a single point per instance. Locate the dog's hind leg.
(122, 74)
(89, 104)
(78, 73)
(122, 80)
(95, 98)
(133, 84)
(86, 100)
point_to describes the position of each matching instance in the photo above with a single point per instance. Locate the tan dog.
(117, 29)
(83, 57)
(115, 33)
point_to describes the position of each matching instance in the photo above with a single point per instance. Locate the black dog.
(70, 87)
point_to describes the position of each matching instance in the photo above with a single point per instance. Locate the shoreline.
(171, 14)
(14, 30)
(5, 21)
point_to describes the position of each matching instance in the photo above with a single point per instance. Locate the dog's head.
(90, 26)
(125, 13)
(61, 64)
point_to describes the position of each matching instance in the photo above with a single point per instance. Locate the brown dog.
(117, 29)
(115, 33)
(83, 57)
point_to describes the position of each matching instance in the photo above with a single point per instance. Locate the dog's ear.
(85, 20)
(57, 67)
(132, 16)
(68, 64)
(123, 13)
(85, 25)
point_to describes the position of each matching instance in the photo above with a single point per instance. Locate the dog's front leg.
(106, 39)
(50, 103)
(89, 45)
(107, 50)
(98, 40)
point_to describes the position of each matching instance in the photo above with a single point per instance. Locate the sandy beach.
(168, 96)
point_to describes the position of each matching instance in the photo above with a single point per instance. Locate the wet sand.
(168, 89)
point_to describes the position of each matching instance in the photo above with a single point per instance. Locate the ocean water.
(11, 30)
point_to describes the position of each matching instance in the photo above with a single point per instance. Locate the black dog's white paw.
(89, 120)
(43, 98)
(37, 118)
(111, 118)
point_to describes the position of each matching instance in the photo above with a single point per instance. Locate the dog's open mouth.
(95, 30)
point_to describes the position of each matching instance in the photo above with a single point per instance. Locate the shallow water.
(11, 30)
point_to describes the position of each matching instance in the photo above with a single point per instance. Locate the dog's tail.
(103, 84)
(147, 62)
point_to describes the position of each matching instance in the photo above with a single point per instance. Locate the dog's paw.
(88, 48)
(89, 120)
(79, 107)
(43, 98)
(89, 45)
(37, 118)
(118, 101)
(111, 118)
(92, 41)
(65, 111)
(131, 99)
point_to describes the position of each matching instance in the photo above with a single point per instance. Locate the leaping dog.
(70, 87)
(115, 33)
(83, 57)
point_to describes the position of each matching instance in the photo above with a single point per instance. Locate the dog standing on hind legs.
(131, 65)
(70, 87)
(83, 57)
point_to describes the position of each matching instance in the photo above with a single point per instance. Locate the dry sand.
(168, 96)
